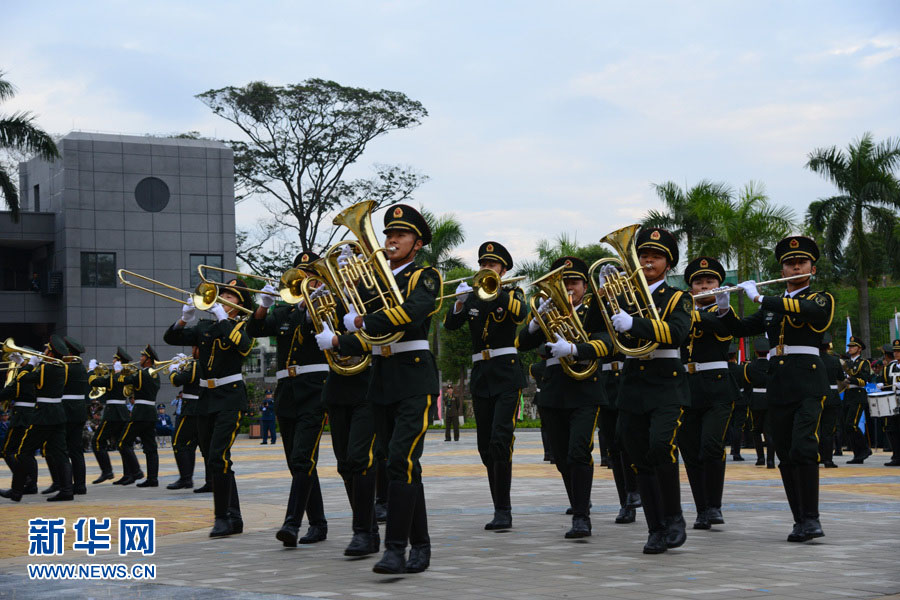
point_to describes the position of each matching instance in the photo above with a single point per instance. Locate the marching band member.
(75, 404)
(223, 345)
(187, 435)
(404, 384)
(831, 410)
(890, 373)
(497, 376)
(856, 399)
(299, 408)
(797, 386)
(755, 374)
(114, 419)
(22, 395)
(701, 438)
(143, 419)
(741, 413)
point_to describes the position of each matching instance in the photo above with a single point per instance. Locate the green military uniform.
(570, 407)
(223, 345)
(48, 428)
(701, 438)
(75, 403)
(300, 410)
(755, 375)
(797, 385)
(113, 420)
(859, 371)
(187, 435)
(536, 370)
(22, 396)
(497, 379)
(143, 422)
(652, 396)
(831, 410)
(404, 383)
(741, 413)
(889, 373)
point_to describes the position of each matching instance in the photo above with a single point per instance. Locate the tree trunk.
(865, 333)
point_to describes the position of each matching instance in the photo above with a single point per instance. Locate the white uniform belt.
(552, 361)
(73, 397)
(856, 387)
(24, 404)
(696, 367)
(214, 383)
(115, 401)
(612, 366)
(834, 387)
(147, 402)
(665, 353)
(489, 353)
(759, 390)
(189, 396)
(294, 370)
(49, 400)
(388, 350)
(811, 350)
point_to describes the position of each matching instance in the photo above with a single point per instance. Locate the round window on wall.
(152, 194)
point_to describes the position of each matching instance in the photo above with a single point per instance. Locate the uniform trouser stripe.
(371, 454)
(124, 435)
(22, 441)
(409, 461)
(99, 436)
(594, 428)
(816, 433)
(237, 427)
(315, 452)
(177, 432)
(674, 434)
(725, 431)
(512, 441)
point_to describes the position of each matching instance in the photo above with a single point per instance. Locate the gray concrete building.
(157, 206)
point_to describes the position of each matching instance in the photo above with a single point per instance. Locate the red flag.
(742, 354)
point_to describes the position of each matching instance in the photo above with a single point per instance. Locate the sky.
(544, 118)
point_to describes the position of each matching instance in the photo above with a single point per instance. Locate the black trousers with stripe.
(571, 433)
(649, 437)
(401, 426)
(222, 428)
(495, 420)
(187, 435)
(352, 437)
(795, 430)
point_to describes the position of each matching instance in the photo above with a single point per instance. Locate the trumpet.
(162, 365)
(10, 347)
(204, 297)
(288, 284)
(103, 370)
(734, 288)
(486, 284)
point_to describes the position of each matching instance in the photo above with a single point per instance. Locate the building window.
(98, 269)
(213, 260)
(37, 198)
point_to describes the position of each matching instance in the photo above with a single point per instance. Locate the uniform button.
(642, 367)
(512, 362)
(780, 362)
(814, 365)
(674, 373)
(417, 359)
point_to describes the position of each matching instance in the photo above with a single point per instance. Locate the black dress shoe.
(180, 484)
(103, 477)
(502, 520)
(60, 497)
(30, 489)
(829, 465)
(221, 528)
(393, 561)
(675, 531)
(237, 524)
(770, 464)
(203, 489)
(363, 544)
(626, 515)
(760, 462)
(80, 490)
(656, 543)
(287, 535)
(149, 483)
(263, 443)
(315, 533)
(633, 499)
(715, 516)
(893, 463)
(702, 520)
(737, 458)
(12, 495)
(124, 480)
(858, 460)
(813, 528)
(51, 490)
(581, 527)
(798, 534)
(419, 558)
(381, 512)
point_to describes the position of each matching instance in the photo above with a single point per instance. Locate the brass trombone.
(203, 298)
(486, 284)
(288, 285)
(9, 347)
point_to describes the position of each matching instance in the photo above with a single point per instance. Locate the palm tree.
(547, 252)
(683, 218)
(868, 202)
(17, 132)
(744, 231)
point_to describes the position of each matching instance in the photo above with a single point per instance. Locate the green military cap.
(245, 298)
(888, 349)
(150, 353)
(303, 260)
(760, 344)
(704, 266)
(495, 251)
(575, 268)
(896, 345)
(58, 345)
(406, 218)
(74, 345)
(855, 341)
(795, 246)
(659, 239)
(123, 355)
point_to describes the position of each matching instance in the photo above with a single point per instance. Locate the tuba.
(365, 266)
(628, 287)
(561, 319)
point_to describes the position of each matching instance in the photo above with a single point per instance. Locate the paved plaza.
(747, 557)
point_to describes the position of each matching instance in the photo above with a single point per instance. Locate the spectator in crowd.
(164, 422)
(4, 427)
(267, 418)
(176, 408)
(452, 411)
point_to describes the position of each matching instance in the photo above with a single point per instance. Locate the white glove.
(92, 365)
(343, 258)
(34, 360)
(188, 311)
(219, 312)
(173, 367)
(349, 319)
(463, 290)
(545, 305)
(723, 301)
(181, 355)
(622, 321)
(605, 272)
(749, 288)
(325, 339)
(17, 358)
(880, 386)
(267, 300)
(561, 347)
(117, 366)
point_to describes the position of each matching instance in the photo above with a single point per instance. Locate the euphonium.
(322, 308)
(561, 319)
(628, 287)
(366, 265)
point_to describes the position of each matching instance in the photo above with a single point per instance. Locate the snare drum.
(884, 404)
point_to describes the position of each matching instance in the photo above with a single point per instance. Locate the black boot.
(698, 491)
(293, 515)
(617, 468)
(789, 481)
(670, 486)
(152, 471)
(106, 472)
(651, 496)
(500, 492)
(14, 495)
(64, 479)
(365, 529)
(179, 462)
(54, 487)
(315, 514)
(207, 485)
(234, 506)
(808, 480)
(714, 480)
(401, 504)
(79, 473)
(582, 477)
(760, 449)
(419, 540)
(221, 496)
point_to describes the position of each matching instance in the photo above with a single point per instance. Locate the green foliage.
(455, 355)
(563, 245)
